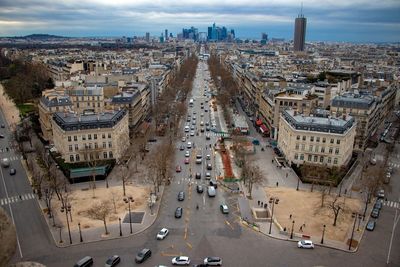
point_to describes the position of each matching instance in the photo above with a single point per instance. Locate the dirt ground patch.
(305, 208)
(82, 200)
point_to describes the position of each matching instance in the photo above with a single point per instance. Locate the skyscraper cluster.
(220, 33)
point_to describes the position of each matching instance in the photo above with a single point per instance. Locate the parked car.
(371, 225)
(213, 261)
(143, 255)
(178, 212)
(162, 234)
(224, 208)
(186, 161)
(305, 244)
(183, 139)
(277, 152)
(378, 205)
(1, 136)
(375, 213)
(112, 261)
(199, 189)
(2, 126)
(189, 145)
(181, 196)
(181, 260)
(208, 137)
(381, 193)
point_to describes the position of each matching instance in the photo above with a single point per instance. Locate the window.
(312, 138)
(95, 145)
(311, 147)
(296, 156)
(335, 161)
(71, 158)
(97, 155)
(315, 158)
(103, 135)
(104, 145)
(105, 154)
(70, 147)
(77, 104)
(337, 151)
(303, 147)
(109, 135)
(89, 137)
(298, 137)
(98, 105)
(110, 154)
(309, 157)
(83, 137)
(69, 138)
(321, 159)
(338, 141)
(323, 149)
(316, 148)
(297, 146)
(91, 156)
(110, 144)
(323, 140)
(90, 145)
(330, 150)
(301, 156)
(76, 147)
(304, 138)
(77, 157)
(318, 139)
(329, 160)
(95, 136)
(332, 141)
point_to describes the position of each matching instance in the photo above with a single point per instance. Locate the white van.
(211, 191)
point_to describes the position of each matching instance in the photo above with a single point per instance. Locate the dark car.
(84, 262)
(371, 225)
(1, 136)
(375, 213)
(143, 255)
(198, 175)
(178, 212)
(199, 189)
(13, 171)
(181, 196)
(213, 261)
(213, 183)
(277, 152)
(2, 126)
(113, 261)
(378, 205)
(152, 140)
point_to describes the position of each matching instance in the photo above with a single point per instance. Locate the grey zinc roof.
(72, 122)
(318, 124)
(353, 101)
(56, 101)
(124, 98)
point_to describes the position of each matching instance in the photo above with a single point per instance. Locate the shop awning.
(258, 122)
(264, 128)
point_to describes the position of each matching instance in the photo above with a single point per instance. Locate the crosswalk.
(15, 199)
(2, 150)
(394, 165)
(391, 204)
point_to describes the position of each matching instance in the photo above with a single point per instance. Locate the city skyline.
(358, 21)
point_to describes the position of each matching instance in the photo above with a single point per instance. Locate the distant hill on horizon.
(40, 36)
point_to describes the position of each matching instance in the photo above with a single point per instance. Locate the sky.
(327, 20)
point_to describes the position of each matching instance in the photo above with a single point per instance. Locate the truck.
(5, 162)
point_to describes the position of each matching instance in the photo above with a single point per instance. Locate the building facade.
(325, 141)
(87, 99)
(82, 138)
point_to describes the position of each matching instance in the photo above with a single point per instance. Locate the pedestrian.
(290, 216)
(301, 229)
(20, 197)
(262, 204)
(304, 225)
(272, 161)
(277, 184)
(258, 202)
(286, 175)
(284, 229)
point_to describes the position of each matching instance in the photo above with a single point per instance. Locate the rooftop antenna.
(301, 10)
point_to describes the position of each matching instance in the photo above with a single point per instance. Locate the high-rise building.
(166, 35)
(300, 32)
(147, 37)
(264, 36)
(209, 33)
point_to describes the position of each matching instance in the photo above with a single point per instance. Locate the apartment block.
(316, 138)
(87, 99)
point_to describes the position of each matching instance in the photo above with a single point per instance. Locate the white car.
(183, 139)
(213, 261)
(187, 153)
(305, 244)
(189, 145)
(192, 133)
(162, 234)
(181, 260)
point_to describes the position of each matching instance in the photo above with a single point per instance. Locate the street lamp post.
(120, 229)
(129, 200)
(67, 209)
(273, 201)
(80, 232)
(298, 183)
(291, 233)
(323, 233)
(352, 232)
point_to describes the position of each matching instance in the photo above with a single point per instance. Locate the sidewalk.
(9, 109)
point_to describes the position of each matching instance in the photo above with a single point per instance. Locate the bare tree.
(100, 211)
(323, 195)
(91, 155)
(336, 207)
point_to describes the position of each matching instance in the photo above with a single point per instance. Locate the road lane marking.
(229, 224)
(189, 245)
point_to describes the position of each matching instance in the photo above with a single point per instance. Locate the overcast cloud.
(332, 20)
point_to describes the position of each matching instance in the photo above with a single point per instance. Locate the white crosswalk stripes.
(15, 199)
(394, 165)
(392, 204)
